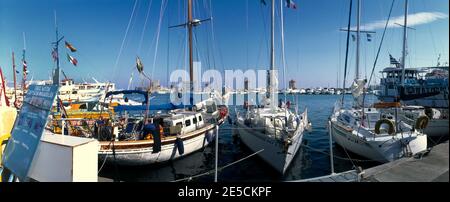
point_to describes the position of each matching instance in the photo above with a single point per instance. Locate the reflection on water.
(311, 161)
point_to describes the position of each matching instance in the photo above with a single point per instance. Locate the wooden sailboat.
(275, 130)
(129, 138)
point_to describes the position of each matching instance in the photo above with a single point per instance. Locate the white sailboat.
(275, 130)
(373, 132)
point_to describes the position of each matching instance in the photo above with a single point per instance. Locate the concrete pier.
(431, 167)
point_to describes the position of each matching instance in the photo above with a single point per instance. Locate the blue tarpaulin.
(143, 107)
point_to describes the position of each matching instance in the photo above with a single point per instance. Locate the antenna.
(24, 41)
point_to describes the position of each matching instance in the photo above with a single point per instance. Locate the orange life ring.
(223, 112)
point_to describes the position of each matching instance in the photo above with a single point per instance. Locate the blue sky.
(314, 46)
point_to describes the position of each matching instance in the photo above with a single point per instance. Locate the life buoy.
(223, 112)
(422, 122)
(391, 129)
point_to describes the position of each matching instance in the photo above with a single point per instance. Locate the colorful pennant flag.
(139, 65)
(72, 60)
(291, 4)
(25, 71)
(70, 47)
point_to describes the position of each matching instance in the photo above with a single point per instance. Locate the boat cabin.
(186, 121)
(393, 76)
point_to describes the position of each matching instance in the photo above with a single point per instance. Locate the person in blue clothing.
(151, 129)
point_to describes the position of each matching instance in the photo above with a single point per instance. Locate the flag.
(54, 55)
(72, 60)
(263, 2)
(139, 65)
(353, 37)
(291, 4)
(393, 60)
(70, 47)
(369, 37)
(25, 71)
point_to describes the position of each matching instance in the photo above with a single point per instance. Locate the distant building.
(292, 85)
(246, 84)
(155, 85)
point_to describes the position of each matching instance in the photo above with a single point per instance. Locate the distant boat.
(71, 92)
(420, 87)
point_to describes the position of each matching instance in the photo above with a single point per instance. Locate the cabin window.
(179, 124)
(199, 118)
(195, 120)
(74, 92)
(187, 123)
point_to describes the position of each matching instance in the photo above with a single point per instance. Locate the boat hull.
(437, 128)
(137, 153)
(381, 150)
(274, 152)
(434, 101)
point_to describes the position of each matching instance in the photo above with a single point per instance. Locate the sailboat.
(132, 136)
(276, 132)
(373, 132)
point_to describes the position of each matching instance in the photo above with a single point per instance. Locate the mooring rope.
(219, 169)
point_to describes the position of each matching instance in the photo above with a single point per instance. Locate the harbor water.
(312, 160)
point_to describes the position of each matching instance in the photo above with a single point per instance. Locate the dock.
(431, 167)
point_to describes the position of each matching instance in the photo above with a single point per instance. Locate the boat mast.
(358, 32)
(283, 57)
(56, 43)
(272, 38)
(190, 25)
(272, 58)
(346, 50)
(14, 75)
(24, 63)
(405, 34)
